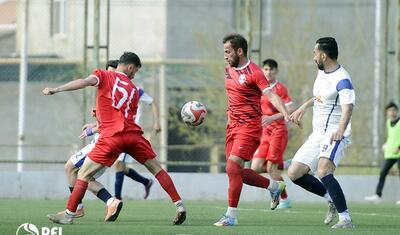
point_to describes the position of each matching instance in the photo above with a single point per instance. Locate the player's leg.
(71, 172)
(104, 154)
(330, 156)
(122, 170)
(388, 164)
(140, 149)
(278, 141)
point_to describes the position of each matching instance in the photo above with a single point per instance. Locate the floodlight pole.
(23, 76)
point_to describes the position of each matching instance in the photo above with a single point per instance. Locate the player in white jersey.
(332, 103)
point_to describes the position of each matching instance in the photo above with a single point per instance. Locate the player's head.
(235, 48)
(129, 63)
(325, 49)
(270, 69)
(112, 65)
(391, 110)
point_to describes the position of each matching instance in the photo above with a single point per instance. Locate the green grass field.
(154, 217)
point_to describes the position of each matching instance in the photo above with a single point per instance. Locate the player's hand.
(337, 136)
(89, 125)
(156, 128)
(297, 116)
(93, 112)
(266, 120)
(86, 132)
(384, 146)
(48, 91)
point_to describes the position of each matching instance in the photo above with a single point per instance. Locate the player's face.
(318, 57)
(132, 70)
(270, 73)
(230, 55)
(391, 113)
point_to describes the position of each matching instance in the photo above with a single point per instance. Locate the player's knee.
(322, 172)
(293, 173)
(257, 167)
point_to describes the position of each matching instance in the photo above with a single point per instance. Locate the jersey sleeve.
(346, 91)
(284, 94)
(261, 81)
(99, 75)
(144, 97)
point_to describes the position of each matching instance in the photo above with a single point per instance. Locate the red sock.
(284, 193)
(77, 195)
(166, 183)
(252, 178)
(234, 171)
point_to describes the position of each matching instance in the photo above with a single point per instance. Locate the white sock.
(179, 206)
(80, 206)
(69, 213)
(273, 185)
(231, 211)
(328, 197)
(109, 201)
(344, 216)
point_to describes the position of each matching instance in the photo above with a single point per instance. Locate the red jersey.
(268, 108)
(116, 103)
(244, 87)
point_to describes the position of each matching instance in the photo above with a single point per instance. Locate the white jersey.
(144, 98)
(330, 91)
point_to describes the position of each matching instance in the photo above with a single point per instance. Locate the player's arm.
(347, 110)
(297, 115)
(72, 85)
(156, 118)
(266, 120)
(277, 101)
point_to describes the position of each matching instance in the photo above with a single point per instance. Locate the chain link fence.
(180, 44)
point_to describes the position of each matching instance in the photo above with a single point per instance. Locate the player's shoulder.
(341, 74)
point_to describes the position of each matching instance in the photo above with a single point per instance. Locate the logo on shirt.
(318, 99)
(242, 79)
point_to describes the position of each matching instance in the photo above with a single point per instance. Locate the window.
(58, 17)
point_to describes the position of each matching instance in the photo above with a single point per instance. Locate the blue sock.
(119, 180)
(335, 191)
(311, 184)
(103, 195)
(137, 177)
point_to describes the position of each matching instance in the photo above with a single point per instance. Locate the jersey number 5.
(124, 99)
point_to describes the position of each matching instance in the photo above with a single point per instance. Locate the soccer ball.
(193, 113)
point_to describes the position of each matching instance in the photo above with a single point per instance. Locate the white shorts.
(78, 158)
(316, 146)
(125, 158)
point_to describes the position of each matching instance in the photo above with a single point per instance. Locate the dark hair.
(271, 63)
(329, 46)
(130, 58)
(391, 105)
(237, 41)
(112, 64)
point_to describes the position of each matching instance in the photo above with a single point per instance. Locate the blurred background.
(50, 42)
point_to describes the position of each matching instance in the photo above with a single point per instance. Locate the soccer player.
(245, 83)
(120, 164)
(116, 105)
(391, 148)
(332, 103)
(269, 156)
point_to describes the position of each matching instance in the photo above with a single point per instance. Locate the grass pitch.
(155, 217)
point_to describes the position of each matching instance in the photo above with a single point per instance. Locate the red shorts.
(273, 144)
(107, 149)
(242, 141)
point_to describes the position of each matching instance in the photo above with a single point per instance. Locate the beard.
(320, 65)
(235, 61)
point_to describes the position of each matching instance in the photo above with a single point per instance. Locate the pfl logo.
(31, 229)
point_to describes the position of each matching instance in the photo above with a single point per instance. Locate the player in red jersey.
(245, 83)
(116, 105)
(269, 156)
